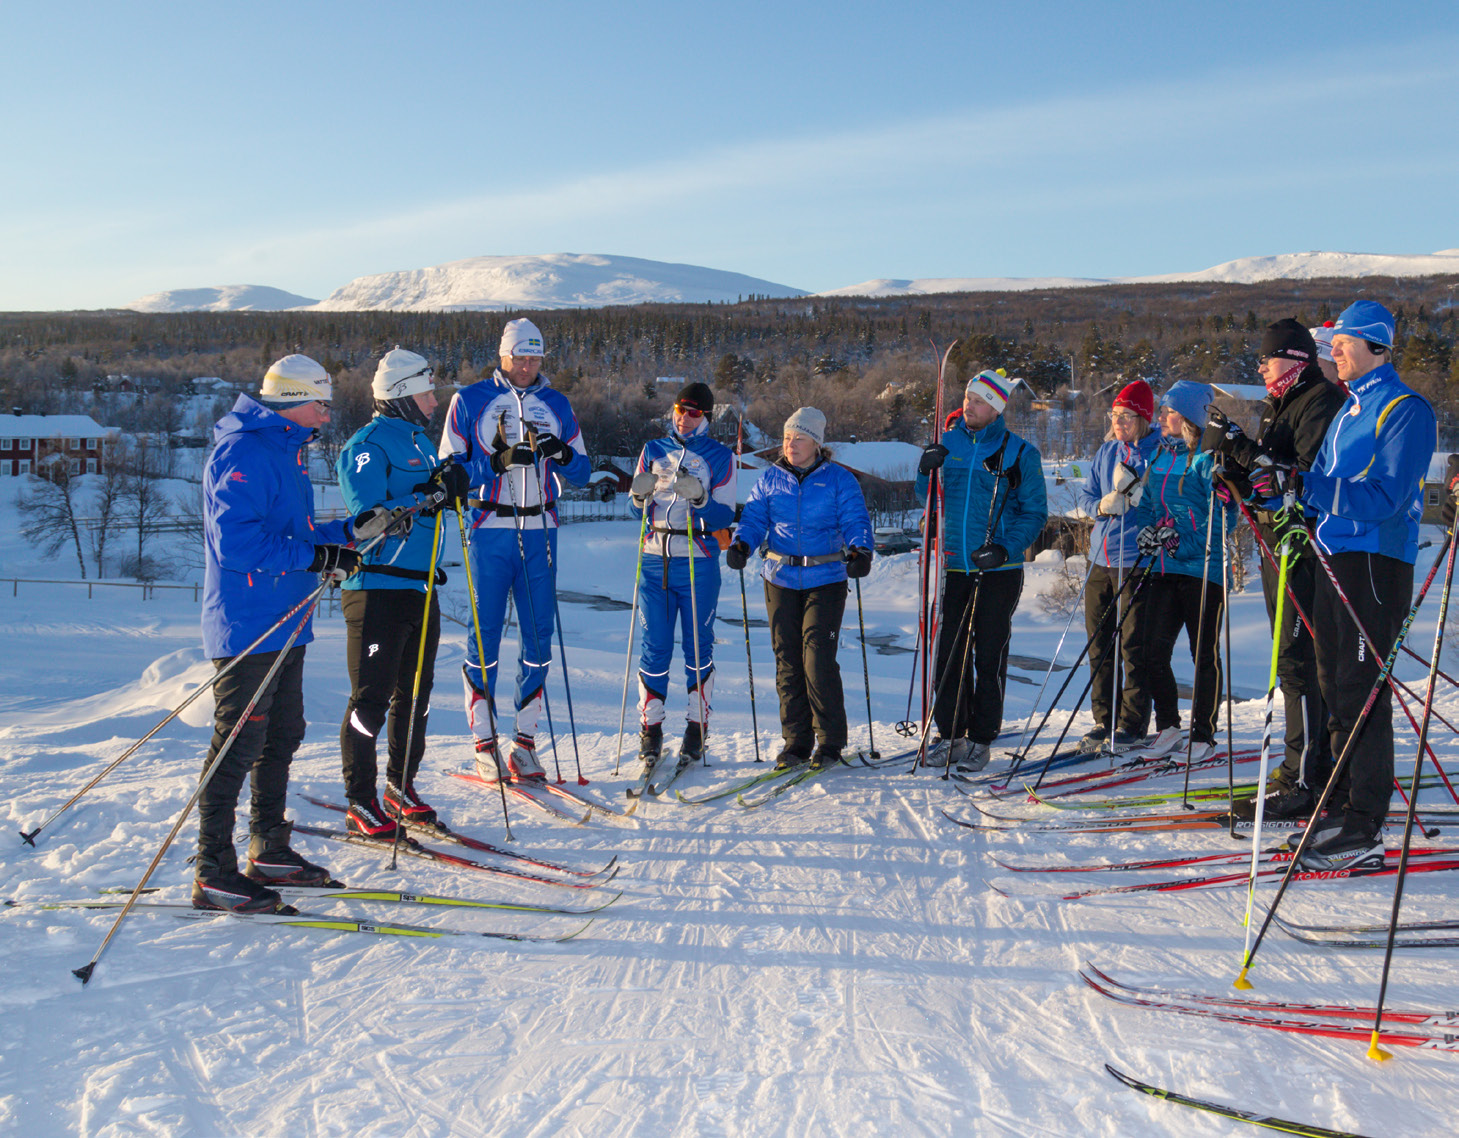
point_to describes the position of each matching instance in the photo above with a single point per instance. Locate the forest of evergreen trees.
(866, 362)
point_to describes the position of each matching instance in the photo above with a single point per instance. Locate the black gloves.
(989, 556)
(1153, 539)
(1220, 432)
(550, 446)
(1273, 480)
(505, 456)
(447, 489)
(858, 561)
(334, 561)
(933, 457)
(737, 556)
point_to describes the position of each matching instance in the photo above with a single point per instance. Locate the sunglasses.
(688, 412)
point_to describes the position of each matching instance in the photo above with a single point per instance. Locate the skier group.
(1343, 447)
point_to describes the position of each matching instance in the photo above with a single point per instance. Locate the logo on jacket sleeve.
(237, 476)
(362, 460)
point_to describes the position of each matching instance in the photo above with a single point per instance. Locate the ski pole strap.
(801, 562)
(408, 574)
(502, 510)
(698, 531)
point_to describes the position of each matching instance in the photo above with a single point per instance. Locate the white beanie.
(520, 338)
(400, 373)
(992, 387)
(809, 422)
(1322, 336)
(296, 379)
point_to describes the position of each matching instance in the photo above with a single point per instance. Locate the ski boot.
(790, 758)
(408, 805)
(489, 763)
(271, 861)
(825, 756)
(522, 762)
(692, 748)
(650, 744)
(369, 821)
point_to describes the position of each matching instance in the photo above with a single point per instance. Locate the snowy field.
(832, 963)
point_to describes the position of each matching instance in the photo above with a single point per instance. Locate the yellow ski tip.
(1376, 1053)
(1241, 983)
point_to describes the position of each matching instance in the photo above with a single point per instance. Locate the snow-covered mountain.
(1247, 270)
(553, 280)
(223, 298)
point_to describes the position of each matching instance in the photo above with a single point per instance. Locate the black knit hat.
(1290, 340)
(696, 395)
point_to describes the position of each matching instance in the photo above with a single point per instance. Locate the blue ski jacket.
(381, 464)
(1366, 484)
(1112, 541)
(967, 489)
(259, 531)
(713, 464)
(471, 426)
(817, 513)
(1178, 491)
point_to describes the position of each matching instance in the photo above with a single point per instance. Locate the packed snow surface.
(833, 963)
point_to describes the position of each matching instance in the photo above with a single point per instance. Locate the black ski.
(1264, 1120)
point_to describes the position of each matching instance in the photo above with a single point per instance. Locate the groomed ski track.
(831, 963)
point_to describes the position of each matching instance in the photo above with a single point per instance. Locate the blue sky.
(149, 146)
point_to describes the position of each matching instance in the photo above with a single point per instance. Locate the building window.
(74, 466)
(91, 466)
(23, 466)
(22, 444)
(5, 443)
(90, 444)
(73, 444)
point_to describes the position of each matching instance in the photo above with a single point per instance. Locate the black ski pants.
(805, 631)
(382, 645)
(264, 748)
(1174, 603)
(1381, 591)
(1099, 600)
(1308, 758)
(971, 676)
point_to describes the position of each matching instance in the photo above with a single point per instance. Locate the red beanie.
(1137, 397)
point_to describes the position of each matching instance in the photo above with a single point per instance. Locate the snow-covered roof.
(894, 461)
(49, 427)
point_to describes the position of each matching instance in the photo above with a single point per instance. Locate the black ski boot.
(219, 885)
(692, 748)
(270, 860)
(650, 743)
(406, 803)
(825, 756)
(790, 758)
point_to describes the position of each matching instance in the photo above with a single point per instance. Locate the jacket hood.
(249, 415)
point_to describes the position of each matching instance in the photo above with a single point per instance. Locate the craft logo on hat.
(1366, 320)
(520, 338)
(296, 379)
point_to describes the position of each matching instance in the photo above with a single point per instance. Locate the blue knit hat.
(1366, 320)
(1189, 400)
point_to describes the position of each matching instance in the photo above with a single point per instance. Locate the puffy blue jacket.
(713, 464)
(471, 426)
(1178, 490)
(1112, 541)
(380, 466)
(259, 531)
(814, 514)
(1366, 483)
(967, 488)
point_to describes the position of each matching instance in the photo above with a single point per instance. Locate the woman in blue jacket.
(811, 518)
(1110, 495)
(390, 462)
(1172, 513)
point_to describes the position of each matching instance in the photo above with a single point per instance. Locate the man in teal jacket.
(994, 506)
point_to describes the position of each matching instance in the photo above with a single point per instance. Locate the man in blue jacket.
(994, 507)
(684, 475)
(390, 462)
(517, 437)
(262, 551)
(1365, 494)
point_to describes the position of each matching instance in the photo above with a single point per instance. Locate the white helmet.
(296, 379)
(401, 373)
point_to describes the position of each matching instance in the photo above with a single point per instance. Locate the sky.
(153, 146)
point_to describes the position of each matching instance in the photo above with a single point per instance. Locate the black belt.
(502, 511)
(408, 574)
(797, 561)
(657, 528)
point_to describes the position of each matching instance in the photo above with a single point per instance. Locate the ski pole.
(1266, 734)
(633, 628)
(1073, 612)
(865, 670)
(420, 667)
(29, 838)
(1190, 736)
(1340, 765)
(485, 685)
(1374, 1051)
(750, 663)
(1226, 622)
(561, 643)
(694, 620)
(84, 972)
